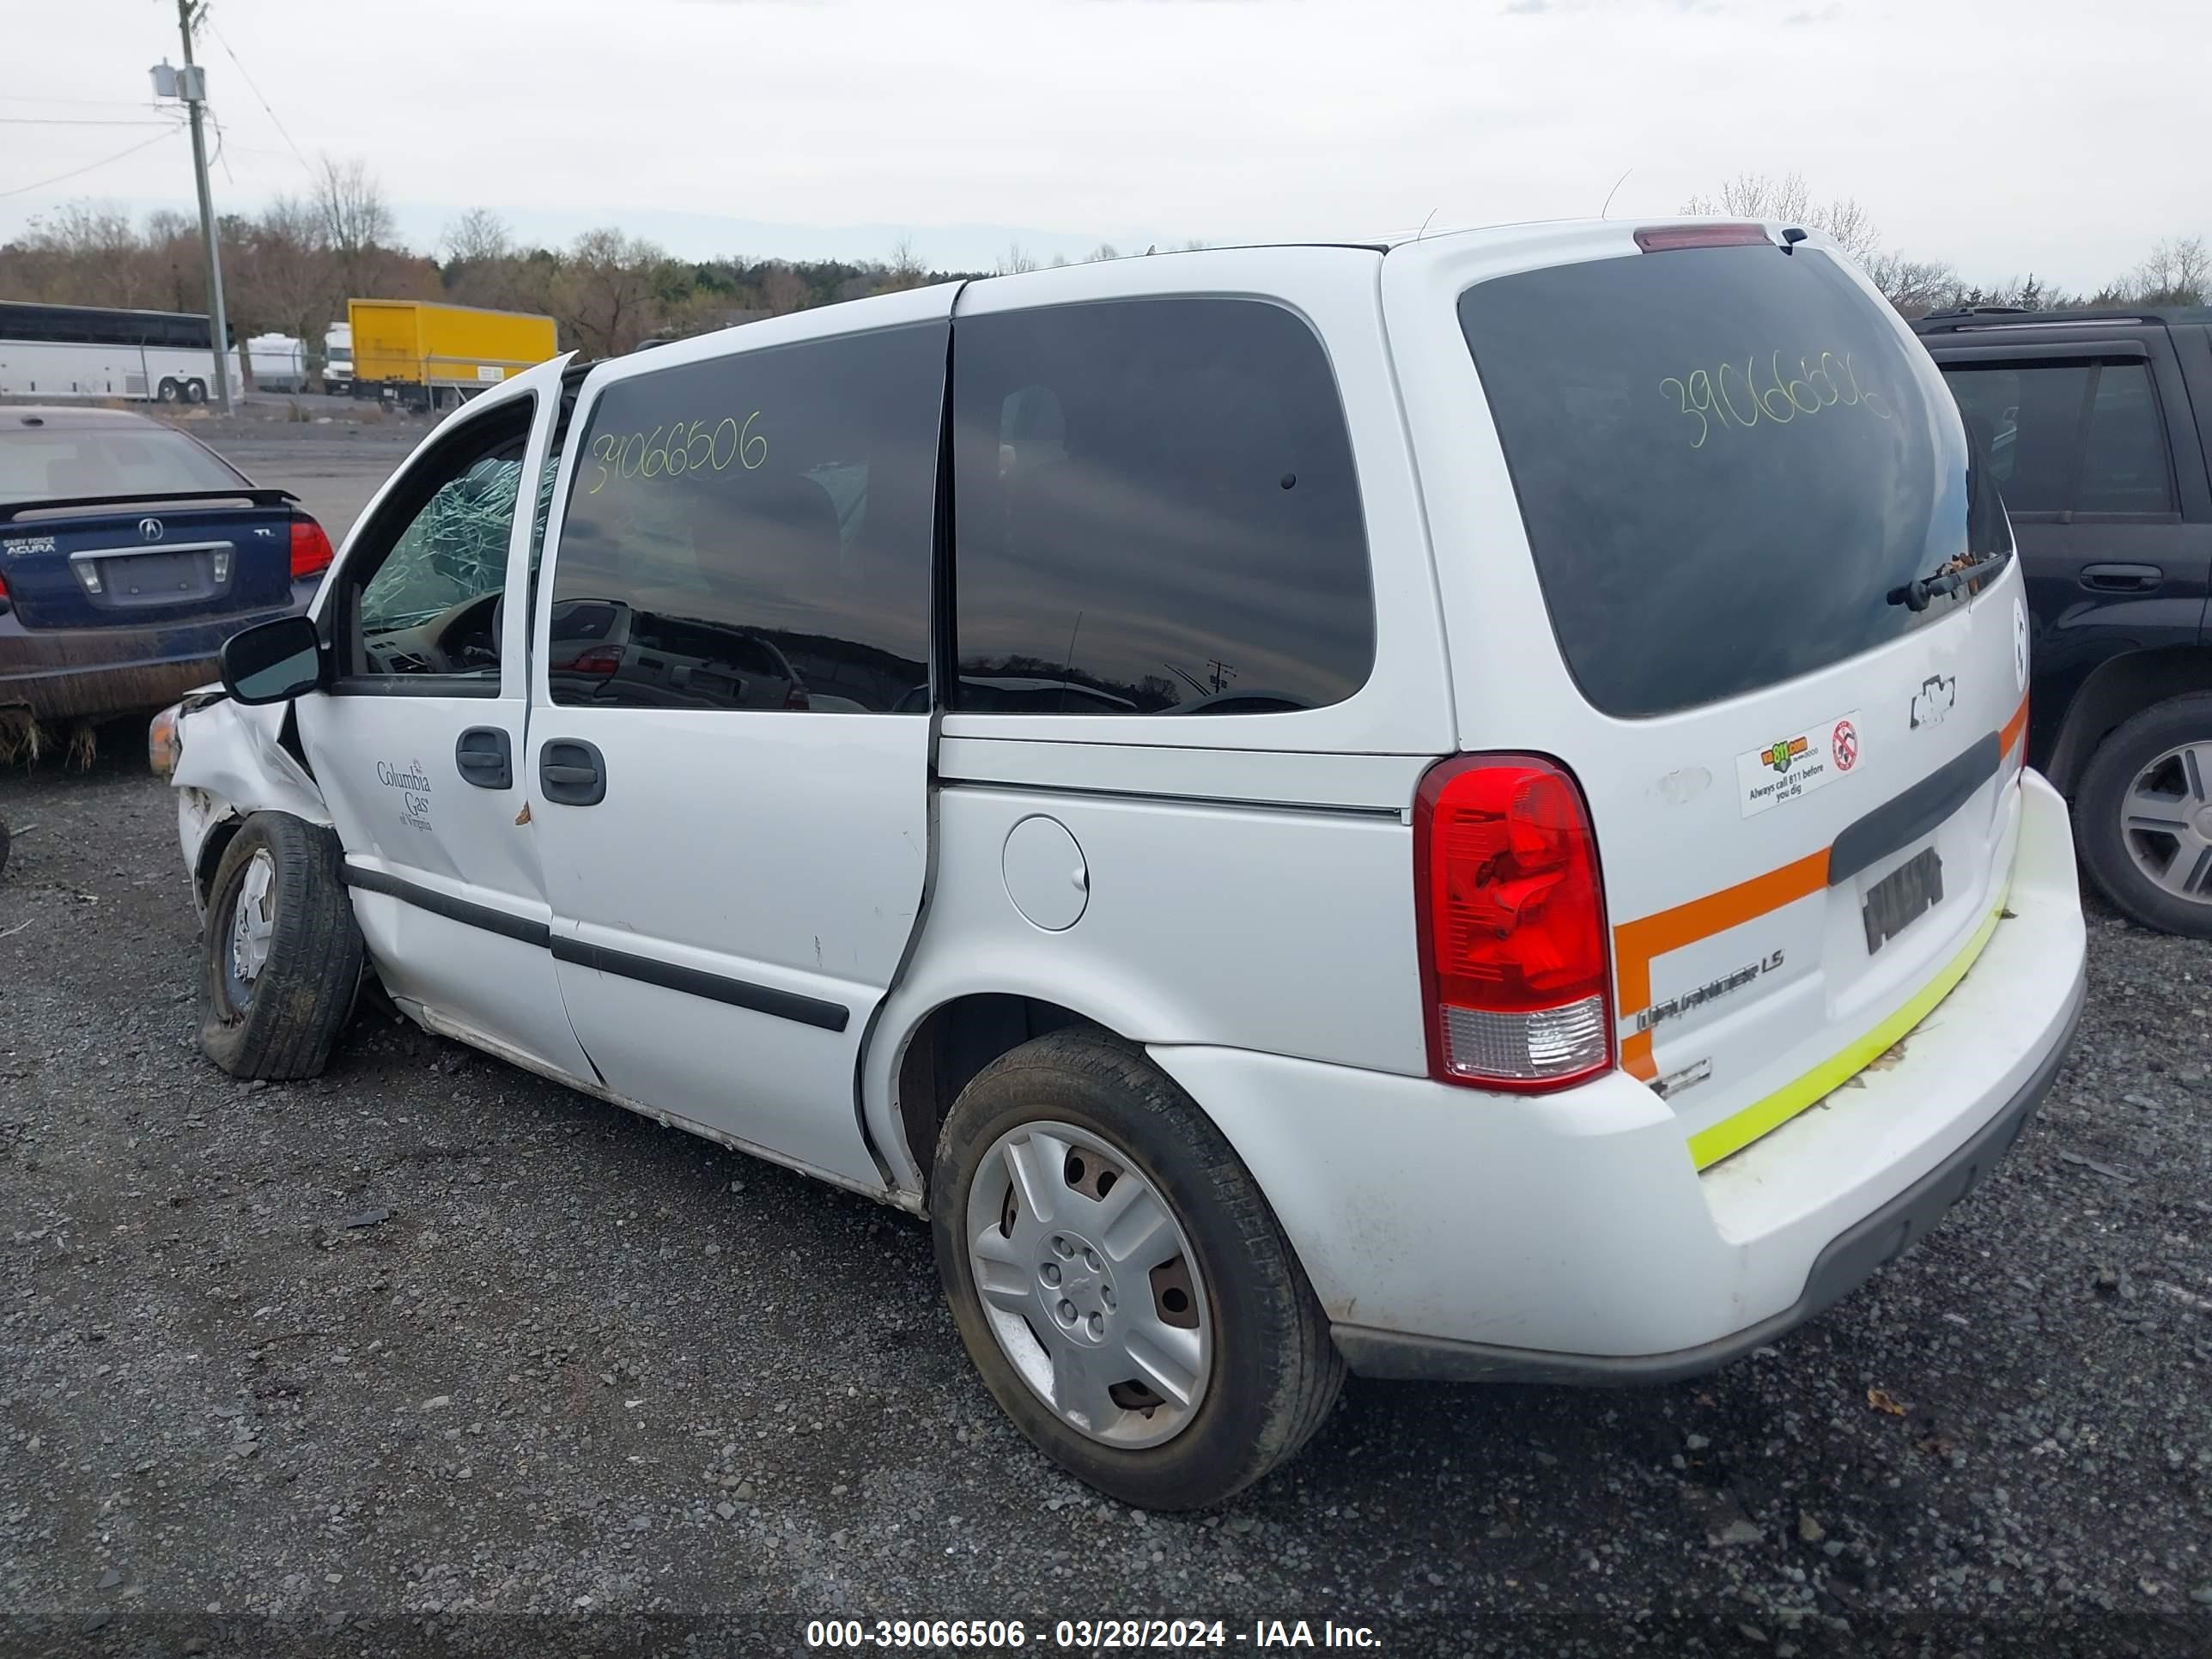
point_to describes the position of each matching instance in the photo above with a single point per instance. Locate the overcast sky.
(2030, 135)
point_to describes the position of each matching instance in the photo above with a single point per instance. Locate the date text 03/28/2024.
(1086, 1635)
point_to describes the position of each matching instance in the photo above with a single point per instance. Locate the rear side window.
(2078, 437)
(1726, 460)
(754, 532)
(1156, 512)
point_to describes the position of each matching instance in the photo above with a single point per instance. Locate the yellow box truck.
(431, 356)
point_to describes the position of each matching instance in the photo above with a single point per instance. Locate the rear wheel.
(280, 955)
(1119, 1280)
(169, 391)
(196, 392)
(2144, 816)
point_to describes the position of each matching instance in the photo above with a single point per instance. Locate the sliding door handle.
(572, 772)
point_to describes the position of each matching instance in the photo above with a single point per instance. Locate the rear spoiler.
(10, 510)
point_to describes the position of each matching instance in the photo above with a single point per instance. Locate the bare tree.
(477, 237)
(2179, 272)
(356, 219)
(613, 287)
(285, 276)
(1787, 198)
(1915, 286)
(904, 269)
(1015, 259)
(782, 290)
(1103, 251)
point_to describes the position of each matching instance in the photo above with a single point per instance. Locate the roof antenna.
(1614, 192)
(1423, 230)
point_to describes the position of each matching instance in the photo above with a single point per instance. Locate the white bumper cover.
(1569, 1237)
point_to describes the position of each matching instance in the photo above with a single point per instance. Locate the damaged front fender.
(231, 763)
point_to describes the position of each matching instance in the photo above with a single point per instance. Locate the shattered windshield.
(455, 549)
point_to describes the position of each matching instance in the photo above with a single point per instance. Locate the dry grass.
(23, 741)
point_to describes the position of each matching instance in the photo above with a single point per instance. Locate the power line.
(44, 121)
(22, 189)
(209, 24)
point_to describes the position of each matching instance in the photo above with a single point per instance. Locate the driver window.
(432, 605)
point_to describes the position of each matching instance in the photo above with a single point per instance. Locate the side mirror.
(273, 661)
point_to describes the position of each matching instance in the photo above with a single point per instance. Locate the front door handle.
(485, 758)
(2121, 578)
(571, 772)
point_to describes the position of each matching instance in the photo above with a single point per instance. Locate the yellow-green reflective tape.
(1732, 1134)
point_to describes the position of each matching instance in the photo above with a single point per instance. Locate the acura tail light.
(1516, 972)
(596, 664)
(797, 698)
(311, 550)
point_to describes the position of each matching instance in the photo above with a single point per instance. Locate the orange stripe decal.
(1635, 943)
(2013, 727)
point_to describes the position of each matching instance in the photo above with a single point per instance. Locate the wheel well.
(953, 1043)
(211, 851)
(2118, 689)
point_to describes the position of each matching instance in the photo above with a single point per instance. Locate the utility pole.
(190, 84)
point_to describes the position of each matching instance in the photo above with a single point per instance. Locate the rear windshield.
(1726, 458)
(63, 462)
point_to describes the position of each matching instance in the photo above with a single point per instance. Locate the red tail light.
(311, 550)
(596, 664)
(3, 590)
(1660, 239)
(1516, 972)
(797, 698)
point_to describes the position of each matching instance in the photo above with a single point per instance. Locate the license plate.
(1902, 897)
(156, 579)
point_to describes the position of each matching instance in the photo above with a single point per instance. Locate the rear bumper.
(1850, 1258)
(1571, 1237)
(78, 673)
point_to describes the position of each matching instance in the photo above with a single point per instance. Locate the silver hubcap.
(252, 920)
(1090, 1284)
(2166, 822)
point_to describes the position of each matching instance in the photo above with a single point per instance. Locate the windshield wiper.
(1922, 591)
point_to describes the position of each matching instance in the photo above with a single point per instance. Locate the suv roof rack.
(1962, 317)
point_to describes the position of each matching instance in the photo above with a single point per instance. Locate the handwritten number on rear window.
(1818, 384)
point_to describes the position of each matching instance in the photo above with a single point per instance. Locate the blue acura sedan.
(129, 552)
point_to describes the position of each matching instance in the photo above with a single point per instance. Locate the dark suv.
(2097, 424)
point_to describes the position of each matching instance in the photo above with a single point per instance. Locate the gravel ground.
(430, 1355)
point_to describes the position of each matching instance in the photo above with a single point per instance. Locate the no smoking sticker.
(1795, 766)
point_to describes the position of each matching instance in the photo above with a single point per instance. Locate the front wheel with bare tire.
(1119, 1280)
(280, 955)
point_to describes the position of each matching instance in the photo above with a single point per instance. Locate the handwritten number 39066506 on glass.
(670, 452)
(1707, 397)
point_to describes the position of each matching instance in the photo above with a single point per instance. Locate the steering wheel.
(453, 633)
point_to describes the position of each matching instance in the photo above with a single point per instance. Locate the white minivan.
(1452, 809)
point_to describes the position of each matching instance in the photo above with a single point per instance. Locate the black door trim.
(1901, 822)
(693, 982)
(502, 922)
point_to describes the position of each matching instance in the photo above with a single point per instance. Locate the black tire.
(196, 392)
(168, 391)
(300, 999)
(1275, 1370)
(2100, 808)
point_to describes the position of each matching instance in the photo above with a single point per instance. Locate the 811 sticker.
(1797, 764)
